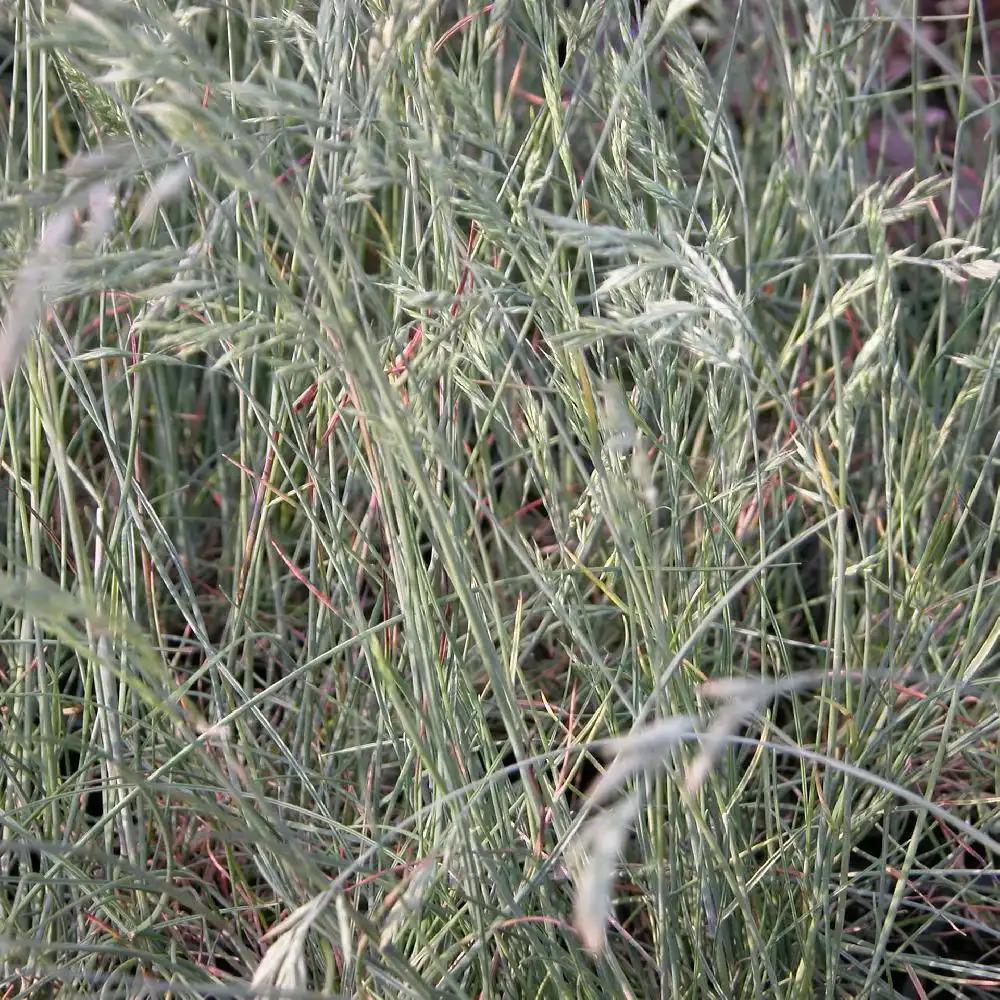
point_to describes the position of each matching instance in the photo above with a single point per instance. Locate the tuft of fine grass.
(498, 500)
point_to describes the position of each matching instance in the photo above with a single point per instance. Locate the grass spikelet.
(35, 280)
(166, 188)
(283, 966)
(598, 854)
(640, 749)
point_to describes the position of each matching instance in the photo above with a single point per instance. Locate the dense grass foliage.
(499, 499)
